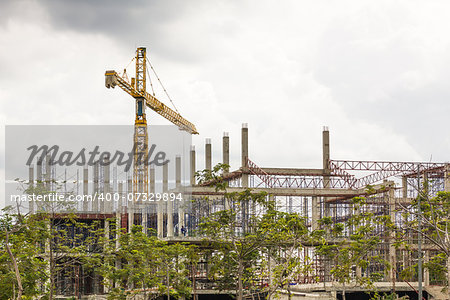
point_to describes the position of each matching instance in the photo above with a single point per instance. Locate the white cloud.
(375, 72)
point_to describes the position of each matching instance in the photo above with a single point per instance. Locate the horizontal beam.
(293, 171)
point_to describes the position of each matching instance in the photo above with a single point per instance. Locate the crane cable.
(165, 91)
(124, 75)
(151, 83)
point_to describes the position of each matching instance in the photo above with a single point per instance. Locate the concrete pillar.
(326, 166)
(152, 179)
(392, 251)
(181, 204)
(226, 151)
(244, 154)
(106, 205)
(326, 155)
(118, 262)
(85, 188)
(448, 270)
(404, 188)
(447, 179)
(208, 155)
(39, 182)
(31, 185)
(122, 198)
(107, 239)
(192, 167)
(169, 203)
(95, 203)
(160, 214)
(48, 173)
(130, 204)
(426, 272)
(315, 213)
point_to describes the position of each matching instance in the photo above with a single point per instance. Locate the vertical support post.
(39, 181)
(105, 204)
(404, 188)
(131, 204)
(315, 213)
(122, 198)
(447, 189)
(426, 272)
(95, 203)
(244, 154)
(181, 204)
(226, 151)
(31, 185)
(447, 178)
(48, 173)
(85, 188)
(169, 203)
(392, 251)
(160, 214)
(326, 181)
(208, 154)
(419, 236)
(192, 171)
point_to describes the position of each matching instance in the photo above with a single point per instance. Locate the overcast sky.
(375, 72)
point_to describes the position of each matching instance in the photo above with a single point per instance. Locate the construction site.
(324, 191)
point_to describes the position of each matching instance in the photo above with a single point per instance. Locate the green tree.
(352, 244)
(20, 237)
(286, 233)
(136, 263)
(435, 228)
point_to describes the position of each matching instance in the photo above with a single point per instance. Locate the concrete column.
(447, 179)
(315, 213)
(192, 165)
(448, 270)
(160, 214)
(392, 250)
(31, 185)
(169, 203)
(48, 173)
(39, 182)
(356, 211)
(404, 188)
(85, 188)
(326, 166)
(95, 203)
(118, 262)
(107, 239)
(152, 179)
(244, 154)
(426, 272)
(121, 204)
(326, 155)
(105, 206)
(181, 204)
(208, 155)
(226, 151)
(130, 204)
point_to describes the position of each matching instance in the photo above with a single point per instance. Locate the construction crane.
(137, 89)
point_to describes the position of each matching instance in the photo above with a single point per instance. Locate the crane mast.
(137, 89)
(140, 165)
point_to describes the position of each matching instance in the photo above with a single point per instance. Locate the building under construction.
(325, 191)
(313, 193)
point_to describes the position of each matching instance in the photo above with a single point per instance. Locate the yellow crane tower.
(137, 89)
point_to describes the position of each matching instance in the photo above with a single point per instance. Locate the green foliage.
(247, 248)
(137, 263)
(23, 235)
(351, 244)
